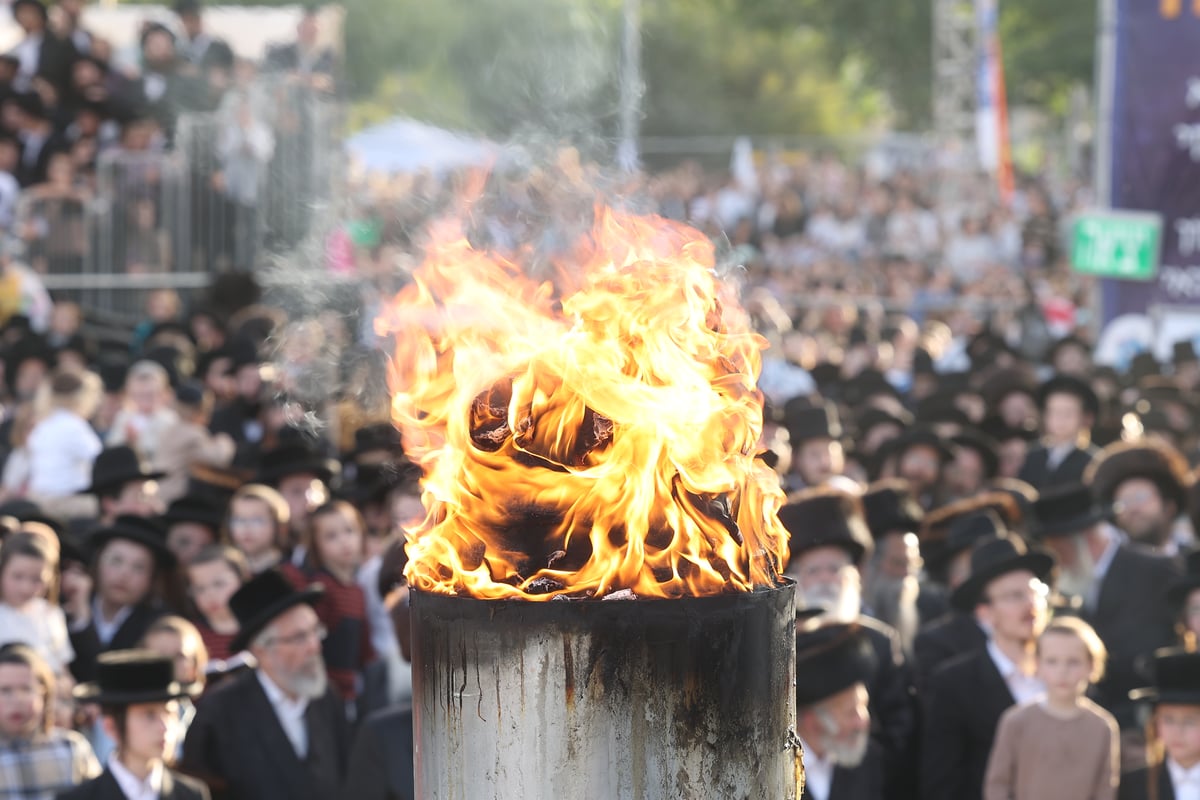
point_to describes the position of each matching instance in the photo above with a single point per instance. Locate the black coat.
(864, 782)
(105, 787)
(1136, 785)
(953, 635)
(238, 746)
(964, 701)
(381, 762)
(1133, 618)
(88, 647)
(1036, 469)
(893, 709)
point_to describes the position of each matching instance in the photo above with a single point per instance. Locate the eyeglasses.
(1036, 591)
(299, 638)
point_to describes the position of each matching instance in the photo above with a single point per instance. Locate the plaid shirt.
(41, 767)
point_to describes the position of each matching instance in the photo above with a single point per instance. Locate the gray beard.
(311, 687)
(895, 602)
(839, 605)
(844, 754)
(1078, 579)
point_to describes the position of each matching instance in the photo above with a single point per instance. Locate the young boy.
(139, 700)
(1174, 730)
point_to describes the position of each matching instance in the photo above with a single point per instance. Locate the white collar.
(132, 786)
(818, 773)
(1112, 541)
(1181, 776)
(1003, 663)
(106, 629)
(278, 697)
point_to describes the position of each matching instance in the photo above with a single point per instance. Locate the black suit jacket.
(964, 701)
(56, 57)
(1133, 618)
(893, 709)
(381, 763)
(953, 635)
(1036, 469)
(105, 787)
(237, 745)
(1136, 785)
(864, 782)
(88, 647)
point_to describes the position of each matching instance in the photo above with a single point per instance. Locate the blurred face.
(212, 585)
(124, 572)
(22, 701)
(1017, 409)
(24, 578)
(817, 460)
(1014, 606)
(251, 526)
(921, 467)
(339, 541)
(899, 555)
(145, 395)
(30, 19)
(187, 539)
(303, 493)
(827, 578)
(159, 48)
(30, 375)
(1141, 511)
(1179, 730)
(151, 731)
(966, 474)
(840, 726)
(1064, 665)
(170, 645)
(1012, 457)
(249, 382)
(1064, 420)
(290, 654)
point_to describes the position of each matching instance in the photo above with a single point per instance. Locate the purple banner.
(1156, 145)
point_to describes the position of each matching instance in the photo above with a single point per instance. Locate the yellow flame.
(599, 441)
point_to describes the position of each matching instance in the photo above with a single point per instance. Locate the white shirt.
(290, 713)
(43, 627)
(1185, 781)
(106, 629)
(818, 773)
(28, 53)
(133, 787)
(1023, 687)
(1113, 542)
(61, 449)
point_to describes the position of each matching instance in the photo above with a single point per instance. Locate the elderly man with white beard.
(834, 664)
(277, 732)
(829, 542)
(1123, 589)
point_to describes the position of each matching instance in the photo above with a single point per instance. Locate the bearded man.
(277, 732)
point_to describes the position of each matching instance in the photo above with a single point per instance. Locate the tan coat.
(186, 445)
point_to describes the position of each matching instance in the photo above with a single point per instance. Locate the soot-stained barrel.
(605, 700)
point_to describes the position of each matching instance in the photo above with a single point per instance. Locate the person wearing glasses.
(1007, 592)
(279, 730)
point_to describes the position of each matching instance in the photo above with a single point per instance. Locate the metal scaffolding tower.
(954, 67)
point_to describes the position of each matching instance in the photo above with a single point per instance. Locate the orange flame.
(581, 446)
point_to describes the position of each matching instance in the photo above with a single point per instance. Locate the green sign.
(1117, 244)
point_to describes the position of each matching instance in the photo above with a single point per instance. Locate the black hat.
(141, 530)
(29, 348)
(1066, 510)
(867, 384)
(115, 467)
(1176, 678)
(985, 447)
(1151, 459)
(190, 393)
(112, 375)
(184, 7)
(890, 507)
(128, 677)
(921, 437)
(205, 361)
(1004, 382)
(244, 352)
(1178, 593)
(1184, 352)
(939, 409)
(999, 431)
(197, 509)
(870, 417)
(1143, 365)
(831, 659)
(1057, 347)
(378, 436)
(295, 457)
(826, 517)
(826, 375)
(1072, 385)
(938, 546)
(805, 421)
(994, 555)
(263, 598)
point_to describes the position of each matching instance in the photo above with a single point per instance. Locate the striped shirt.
(42, 767)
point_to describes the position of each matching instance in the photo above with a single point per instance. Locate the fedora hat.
(1185, 584)
(196, 509)
(890, 506)
(116, 466)
(830, 659)
(1072, 385)
(377, 436)
(263, 598)
(994, 555)
(826, 517)
(128, 677)
(295, 457)
(805, 421)
(1066, 510)
(1176, 678)
(147, 532)
(1151, 459)
(920, 437)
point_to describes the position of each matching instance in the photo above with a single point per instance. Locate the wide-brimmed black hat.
(941, 409)
(1187, 583)
(116, 466)
(378, 436)
(805, 421)
(1154, 460)
(141, 530)
(197, 509)
(920, 437)
(995, 556)
(867, 384)
(263, 598)
(890, 507)
(127, 677)
(1074, 386)
(1176, 678)
(1184, 352)
(831, 659)
(1066, 510)
(985, 447)
(871, 417)
(826, 517)
(294, 458)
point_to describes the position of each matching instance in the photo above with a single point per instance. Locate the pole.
(1106, 77)
(631, 84)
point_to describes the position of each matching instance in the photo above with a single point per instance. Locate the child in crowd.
(29, 610)
(177, 639)
(336, 544)
(1173, 732)
(258, 525)
(147, 417)
(37, 759)
(1061, 745)
(62, 445)
(213, 576)
(191, 442)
